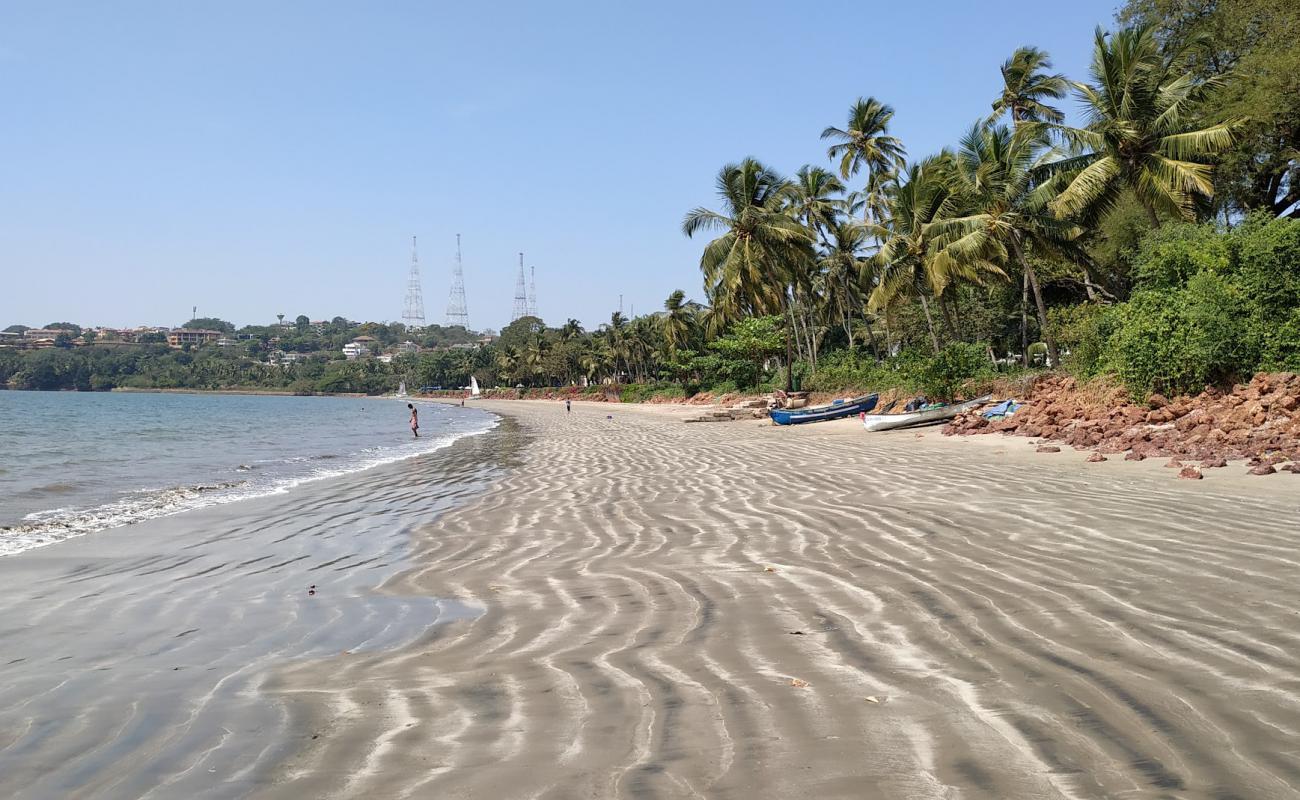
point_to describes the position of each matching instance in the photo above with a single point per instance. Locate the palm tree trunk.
(929, 324)
(1151, 215)
(1052, 354)
(810, 335)
(1024, 321)
(789, 351)
(945, 305)
(800, 333)
(889, 336)
(871, 337)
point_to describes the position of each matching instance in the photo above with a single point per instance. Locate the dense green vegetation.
(1157, 242)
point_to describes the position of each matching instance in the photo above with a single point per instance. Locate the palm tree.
(813, 200)
(595, 359)
(1142, 134)
(507, 363)
(570, 330)
(616, 341)
(762, 251)
(1026, 88)
(642, 336)
(912, 259)
(865, 142)
(842, 267)
(813, 203)
(534, 357)
(677, 321)
(994, 173)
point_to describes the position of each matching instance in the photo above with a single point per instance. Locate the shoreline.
(43, 515)
(744, 610)
(146, 647)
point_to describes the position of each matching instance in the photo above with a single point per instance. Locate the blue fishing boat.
(836, 410)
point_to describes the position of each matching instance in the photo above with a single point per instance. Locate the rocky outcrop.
(1257, 421)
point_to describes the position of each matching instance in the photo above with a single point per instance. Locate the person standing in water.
(415, 420)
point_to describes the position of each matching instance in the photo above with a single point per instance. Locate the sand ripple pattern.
(962, 631)
(133, 660)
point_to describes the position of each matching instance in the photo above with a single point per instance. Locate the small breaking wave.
(42, 528)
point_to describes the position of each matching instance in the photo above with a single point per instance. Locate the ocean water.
(76, 463)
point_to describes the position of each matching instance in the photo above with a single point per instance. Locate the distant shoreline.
(276, 392)
(135, 390)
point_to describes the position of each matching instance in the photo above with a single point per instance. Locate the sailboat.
(473, 386)
(401, 390)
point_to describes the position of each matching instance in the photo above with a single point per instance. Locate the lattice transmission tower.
(457, 312)
(413, 313)
(532, 291)
(521, 295)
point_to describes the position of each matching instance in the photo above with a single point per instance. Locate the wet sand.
(743, 611)
(133, 659)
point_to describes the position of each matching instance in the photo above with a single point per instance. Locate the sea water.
(75, 463)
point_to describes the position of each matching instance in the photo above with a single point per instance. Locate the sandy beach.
(739, 610)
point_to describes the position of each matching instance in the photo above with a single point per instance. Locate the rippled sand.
(742, 611)
(133, 660)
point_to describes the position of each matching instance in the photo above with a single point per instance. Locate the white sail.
(401, 389)
(473, 386)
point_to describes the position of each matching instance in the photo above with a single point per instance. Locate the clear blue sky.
(254, 158)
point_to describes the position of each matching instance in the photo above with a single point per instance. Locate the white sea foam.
(51, 526)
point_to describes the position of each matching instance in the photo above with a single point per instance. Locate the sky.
(254, 158)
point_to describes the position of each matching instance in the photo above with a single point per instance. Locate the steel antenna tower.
(457, 312)
(521, 296)
(532, 291)
(413, 314)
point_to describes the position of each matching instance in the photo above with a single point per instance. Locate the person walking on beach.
(415, 420)
(568, 406)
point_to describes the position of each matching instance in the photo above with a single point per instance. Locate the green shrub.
(1169, 256)
(943, 375)
(642, 392)
(1211, 307)
(1080, 331)
(1178, 340)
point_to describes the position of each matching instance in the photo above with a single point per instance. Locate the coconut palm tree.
(595, 360)
(1142, 134)
(615, 336)
(762, 250)
(865, 141)
(912, 259)
(814, 203)
(813, 200)
(843, 267)
(1026, 88)
(507, 363)
(642, 338)
(534, 357)
(994, 172)
(677, 322)
(570, 330)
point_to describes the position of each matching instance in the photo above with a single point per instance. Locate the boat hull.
(889, 422)
(848, 408)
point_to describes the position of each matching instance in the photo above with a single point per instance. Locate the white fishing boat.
(888, 422)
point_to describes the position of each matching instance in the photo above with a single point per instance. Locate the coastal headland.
(741, 610)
